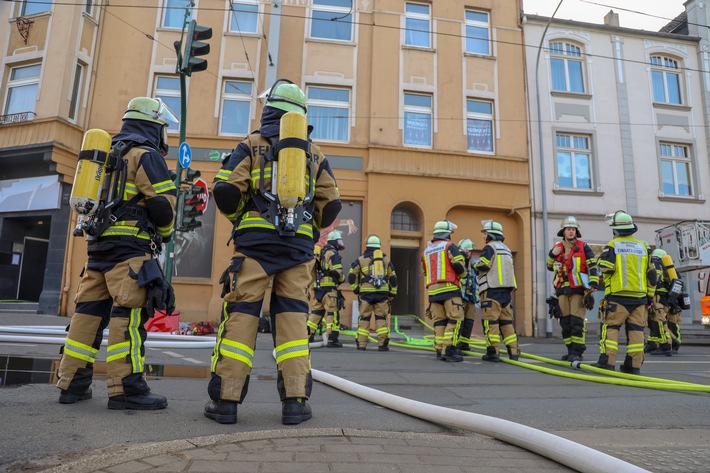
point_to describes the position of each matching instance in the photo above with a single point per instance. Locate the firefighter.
(574, 265)
(496, 283)
(660, 337)
(373, 279)
(273, 237)
(444, 265)
(469, 294)
(122, 283)
(329, 275)
(630, 284)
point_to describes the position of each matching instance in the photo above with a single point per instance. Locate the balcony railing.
(16, 117)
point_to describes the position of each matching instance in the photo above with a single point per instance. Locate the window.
(676, 178)
(666, 80)
(478, 32)
(174, 16)
(22, 89)
(30, 7)
(75, 92)
(566, 63)
(236, 108)
(403, 219)
(574, 166)
(329, 113)
(332, 19)
(417, 25)
(244, 16)
(167, 89)
(479, 128)
(417, 120)
(89, 7)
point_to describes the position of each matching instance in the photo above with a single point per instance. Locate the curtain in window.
(476, 40)
(324, 27)
(22, 99)
(581, 167)
(673, 82)
(480, 135)
(659, 94)
(576, 83)
(328, 123)
(564, 169)
(235, 117)
(559, 81)
(683, 175)
(417, 129)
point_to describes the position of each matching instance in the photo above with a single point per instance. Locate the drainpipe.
(67, 269)
(548, 323)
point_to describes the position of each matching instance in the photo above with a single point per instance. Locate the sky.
(593, 11)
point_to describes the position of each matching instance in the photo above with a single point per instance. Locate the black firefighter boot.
(294, 411)
(604, 363)
(70, 397)
(138, 402)
(384, 346)
(452, 354)
(333, 340)
(663, 349)
(628, 367)
(224, 412)
(491, 355)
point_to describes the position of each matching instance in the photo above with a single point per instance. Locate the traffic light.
(194, 46)
(189, 203)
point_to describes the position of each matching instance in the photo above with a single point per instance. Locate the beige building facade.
(419, 106)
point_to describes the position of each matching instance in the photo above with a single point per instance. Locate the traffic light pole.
(170, 250)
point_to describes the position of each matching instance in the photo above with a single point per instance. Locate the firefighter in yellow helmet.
(329, 275)
(574, 265)
(469, 294)
(444, 266)
(273, 242)
(496, 283)
(630, 284)
(122, 282)
(373, 278)
(660, 337)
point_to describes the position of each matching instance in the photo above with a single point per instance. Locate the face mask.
(164, 140)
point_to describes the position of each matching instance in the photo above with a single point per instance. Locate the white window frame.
(417, 17)
(480, 116)
(234, 25)
(418, 110)
(676, 154)
(566, 56)
(77, 86)
(346, 107)
(168, 7)
(574, 153)
(478, 24)
(17, 83)
(341, 12)
(169, 93)
(667, 66)
(240, 96)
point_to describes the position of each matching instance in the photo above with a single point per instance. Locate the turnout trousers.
(617, 315)
(108, 296)
(497, 322)
(328, 307)
(447, 316)
(573, 323)
(369, 311)
(233, 354)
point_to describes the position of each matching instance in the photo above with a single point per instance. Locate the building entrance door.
(34, 261)
(408, 267)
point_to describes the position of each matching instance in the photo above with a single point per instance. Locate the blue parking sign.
(185, 155)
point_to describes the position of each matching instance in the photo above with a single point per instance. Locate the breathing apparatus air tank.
(86, 193)
(292, 164)
(676, 284)
(378, 268)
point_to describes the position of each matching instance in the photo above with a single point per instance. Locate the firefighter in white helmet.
(574, 265)
(122, 283)
(273, 243)
(469, 294)
(373, 278)
(630, 285)
(444, 265)
(329, 275)
(496, 283)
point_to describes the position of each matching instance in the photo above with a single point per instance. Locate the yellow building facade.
(418, 105)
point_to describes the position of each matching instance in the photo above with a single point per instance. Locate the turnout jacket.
(361, 282)
(575, 262)
(629, 276)
(148, 177)
(236, 186)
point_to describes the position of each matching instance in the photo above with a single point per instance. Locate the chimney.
(611, 18)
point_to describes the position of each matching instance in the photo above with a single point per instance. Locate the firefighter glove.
(159, 293)
(553, 307)
(588, 301)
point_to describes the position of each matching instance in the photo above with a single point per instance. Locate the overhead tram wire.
(152, 38)
(241, 37)
(449, 35)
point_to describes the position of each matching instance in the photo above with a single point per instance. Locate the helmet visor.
(164, 113)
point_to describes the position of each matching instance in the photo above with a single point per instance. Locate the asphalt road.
(657, 429)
